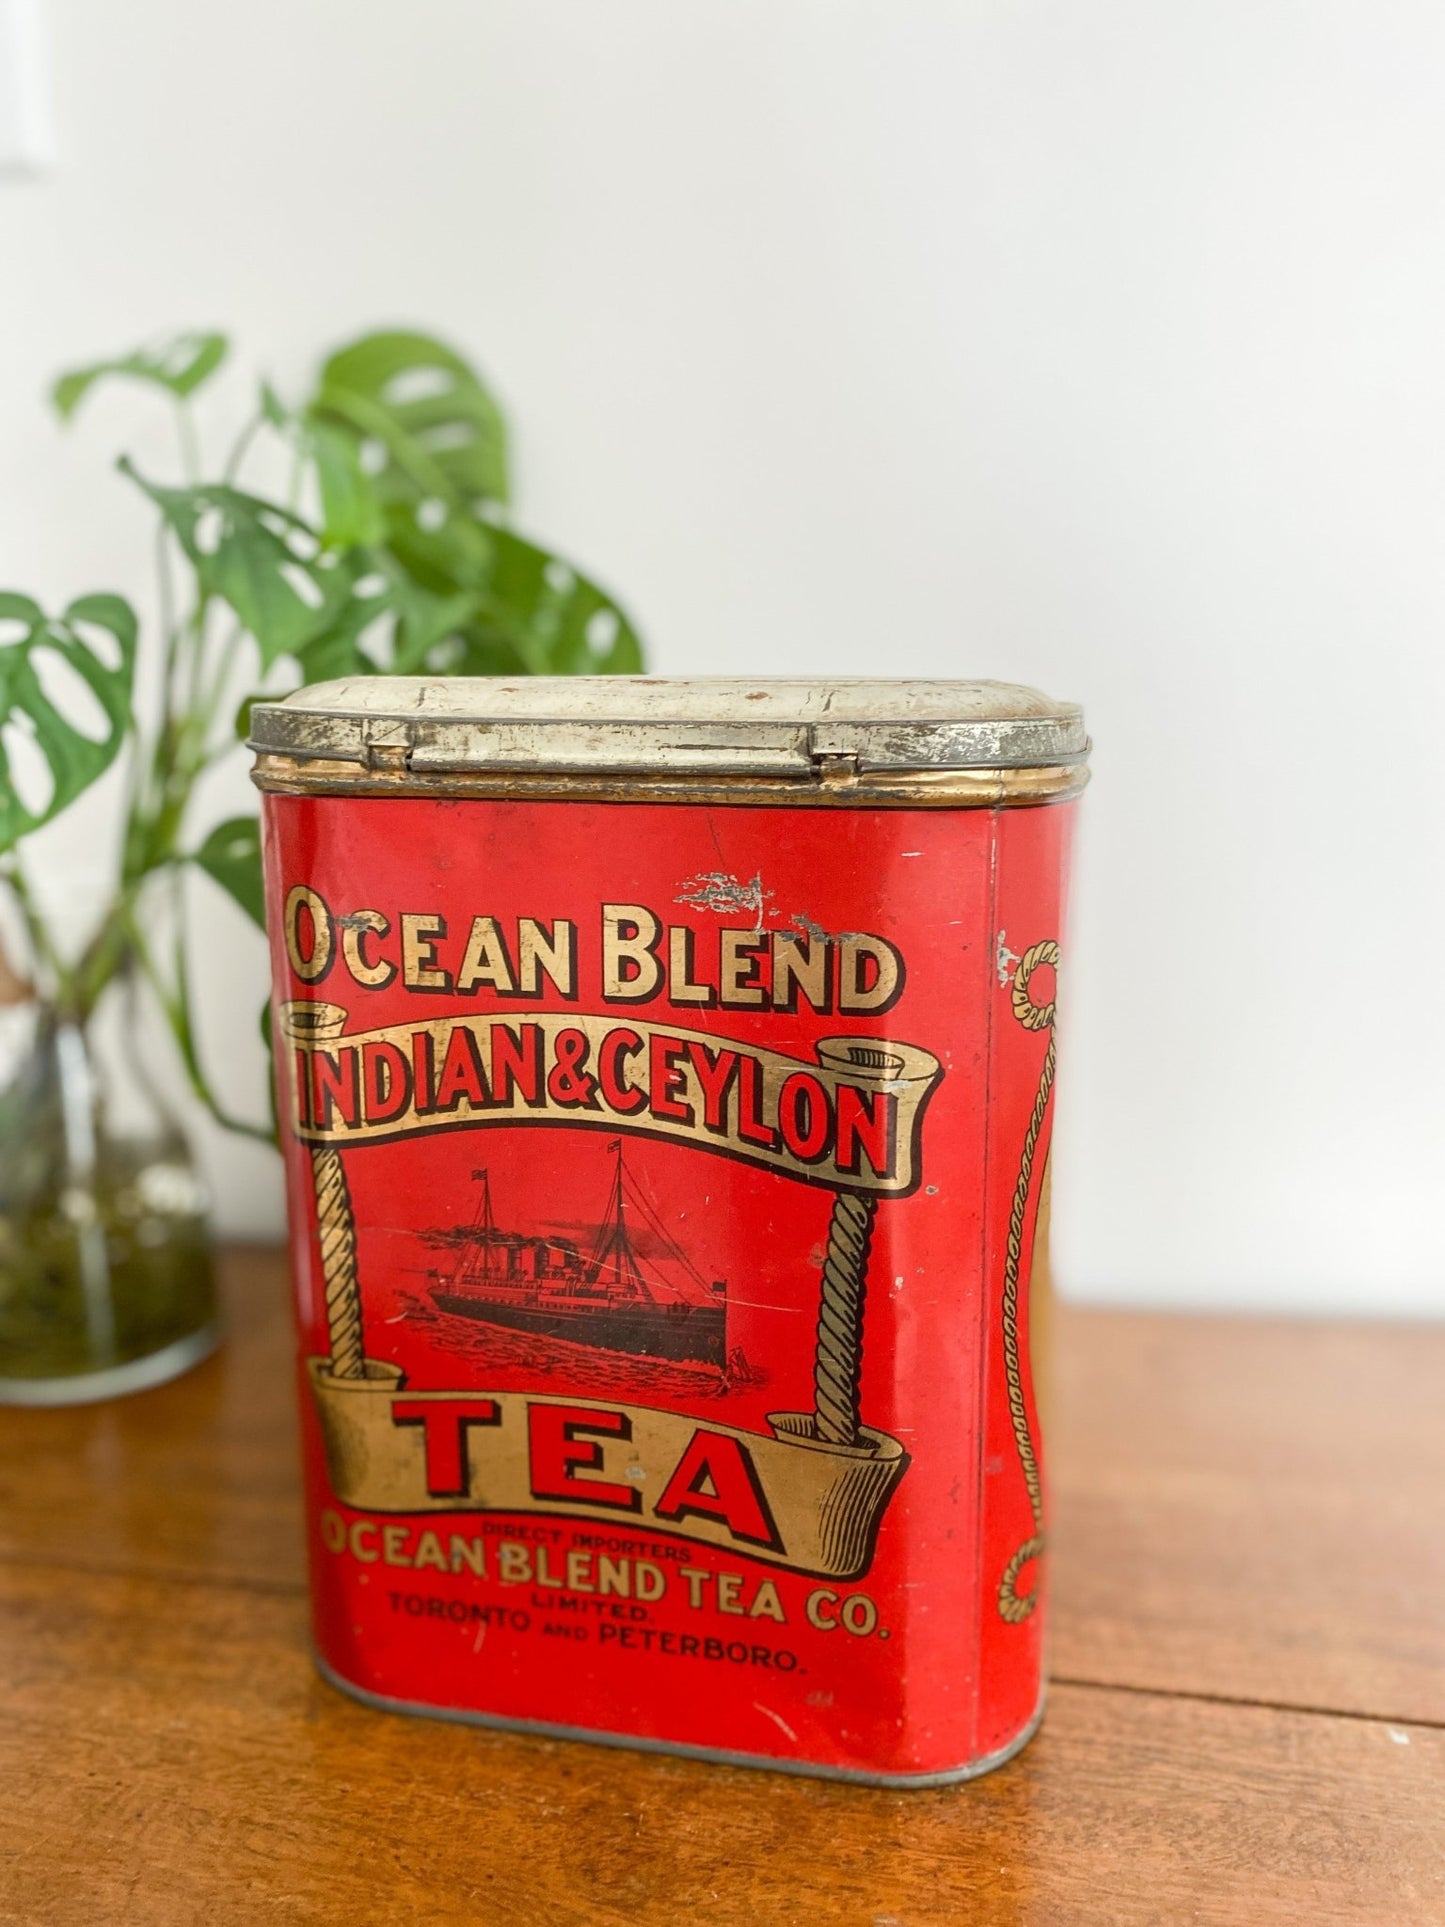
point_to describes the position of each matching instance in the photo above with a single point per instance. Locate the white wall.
(1101, 347)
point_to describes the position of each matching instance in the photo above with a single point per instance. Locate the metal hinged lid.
(776, 726)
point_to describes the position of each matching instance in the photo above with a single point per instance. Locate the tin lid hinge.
(836, 772)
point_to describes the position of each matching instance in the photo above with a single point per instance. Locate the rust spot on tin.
(720, 890)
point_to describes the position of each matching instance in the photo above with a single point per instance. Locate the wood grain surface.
(1245, 1723)
(1252, 1509)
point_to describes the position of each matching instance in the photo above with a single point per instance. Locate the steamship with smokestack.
(608, 1298)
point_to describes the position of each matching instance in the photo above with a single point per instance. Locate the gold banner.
(790, 1499)
(848, 1118)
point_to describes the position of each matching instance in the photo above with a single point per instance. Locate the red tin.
(665, 1078)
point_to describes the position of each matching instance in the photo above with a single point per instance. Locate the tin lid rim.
(782, 725)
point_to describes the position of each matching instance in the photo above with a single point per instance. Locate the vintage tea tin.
(665, 1075)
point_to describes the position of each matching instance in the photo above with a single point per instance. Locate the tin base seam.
(543, 1730)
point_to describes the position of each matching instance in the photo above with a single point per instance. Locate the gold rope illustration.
(336, 1236)
(839, 1358)
(1013, 1606)
(335, 1225)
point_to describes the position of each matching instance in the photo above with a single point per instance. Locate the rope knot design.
(1013, 1605)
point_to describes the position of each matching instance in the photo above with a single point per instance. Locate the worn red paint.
(579, 1463)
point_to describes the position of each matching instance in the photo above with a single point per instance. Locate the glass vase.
(107, 1283)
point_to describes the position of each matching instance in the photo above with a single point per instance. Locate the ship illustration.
(606, 1299)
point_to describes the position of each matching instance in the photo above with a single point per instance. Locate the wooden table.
(1246, 1721)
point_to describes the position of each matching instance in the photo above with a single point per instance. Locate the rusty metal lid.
(776, 726)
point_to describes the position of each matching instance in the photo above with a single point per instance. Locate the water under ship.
(607, 1299)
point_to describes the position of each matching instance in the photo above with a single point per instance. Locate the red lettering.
(517, 1064)
(461, 1073)
(715, 1071)
(423, 1069)
(563, 1439)
(803, 1116)
(864, 1132)
(665, 1075)
(716, 1479)
(445, 1423)
(385, 1080)
(750, 1092)
(621, 1097)
(569, 1081)
(333, 1087)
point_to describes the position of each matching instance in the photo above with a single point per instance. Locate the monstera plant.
(390, 549)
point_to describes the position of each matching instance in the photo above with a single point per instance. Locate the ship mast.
(478, 1266)
(614, 1262)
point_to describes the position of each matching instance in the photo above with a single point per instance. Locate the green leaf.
(423, 412)
(426, 622)
(179, 365)
(562, 618)
(73, 753)
(260, 559)
(390, 625)
(533, 612)
(466, 593)
(273, 409)
(351, 511)
(231, 855)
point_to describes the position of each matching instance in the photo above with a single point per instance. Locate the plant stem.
(175, 1002)
(190, 445)
(241, 448)
(39, 937)
(215, 694)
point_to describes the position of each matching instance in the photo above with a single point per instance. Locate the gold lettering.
(555, 955)
(648, 1581)
(808, 969)
(486, 960)
(630, 971)
(729, 1585)
(820, 1597)
(767, 1605)
(429, 1552)
(469, 1553)
(680, 987)
(737, 973)
(310, 969)
(418, 952)
(613, 1575)
(514, 1565)
(853, 955)
(375, 974)
(696, 1580)
(579, 1572)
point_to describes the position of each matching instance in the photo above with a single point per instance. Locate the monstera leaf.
(428, 453)
(429, 428)
(231, 856)
(65, 685)
(261, 560)
(351, 510)
(534, 613)
(558, 622)
(179, 365)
